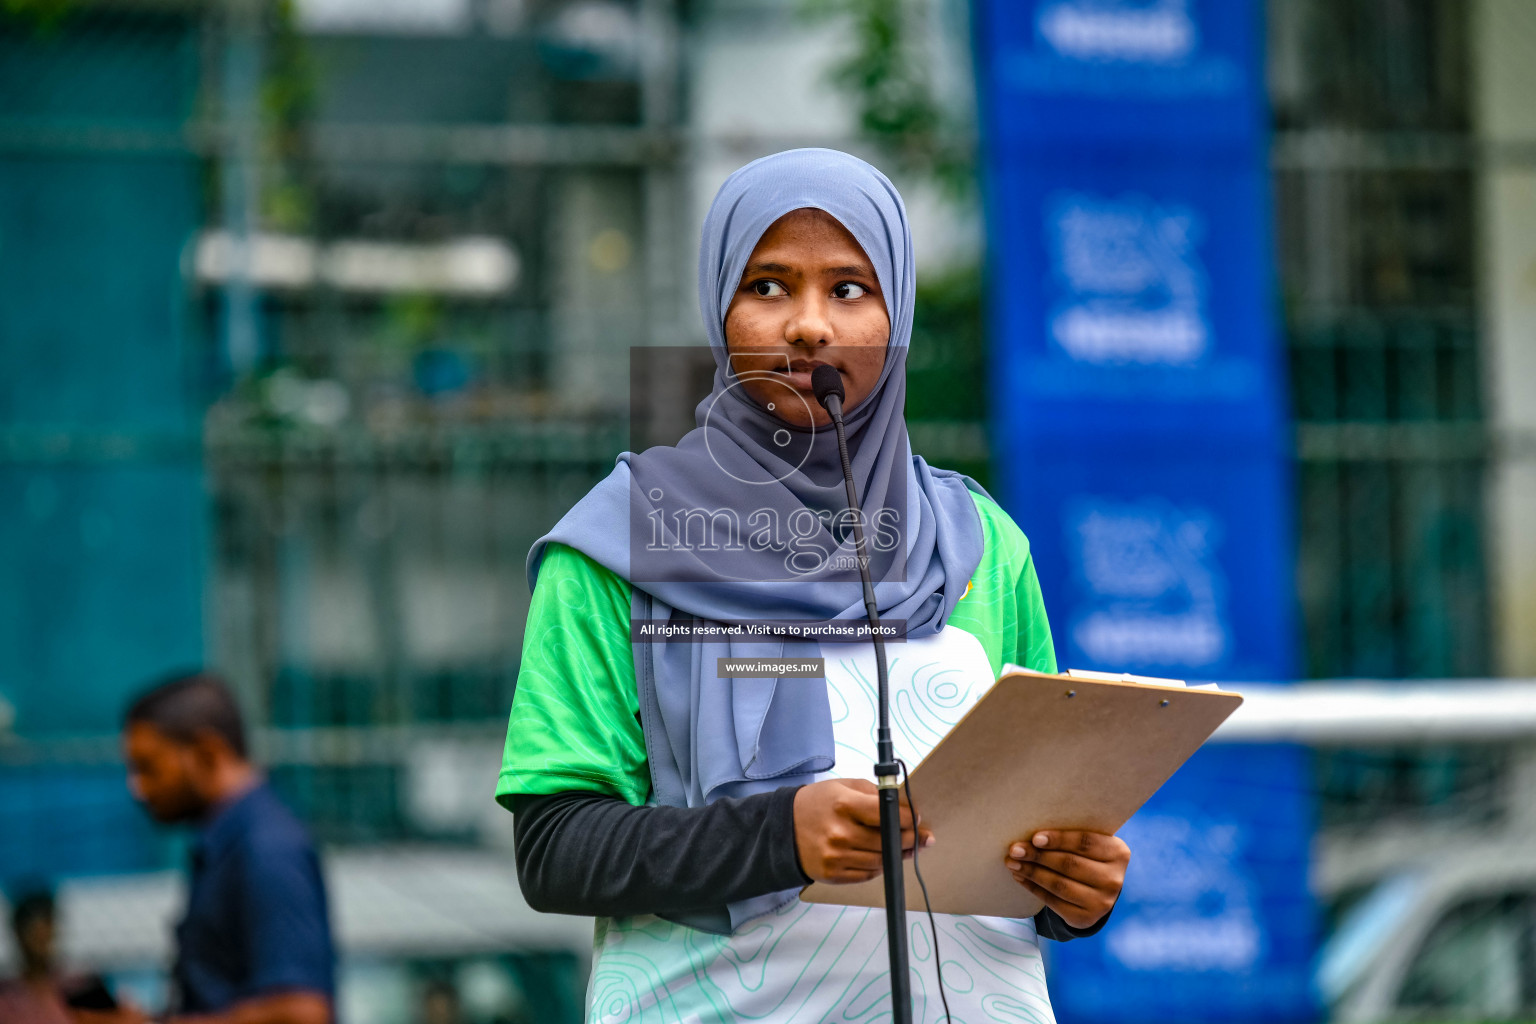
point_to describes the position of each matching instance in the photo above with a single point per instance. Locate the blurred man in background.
(255, 944)
(35, 996)
(42, 994)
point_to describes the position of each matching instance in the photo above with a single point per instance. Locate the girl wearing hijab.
(685, 810)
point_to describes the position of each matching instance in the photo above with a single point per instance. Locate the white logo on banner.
(1157, 592)
(1139, 31)
(1135, 288)
(1199, 915)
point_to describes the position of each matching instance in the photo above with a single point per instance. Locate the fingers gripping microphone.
(827, 384)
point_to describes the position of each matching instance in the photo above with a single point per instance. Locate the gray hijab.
(733, 525)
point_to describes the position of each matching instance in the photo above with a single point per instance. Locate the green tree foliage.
(888, 73)
(38, 14)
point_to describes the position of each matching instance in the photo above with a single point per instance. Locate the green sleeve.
(1003, 606)
(1035, 649)
(575, 714)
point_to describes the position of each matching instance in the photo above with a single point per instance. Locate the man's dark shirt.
(256, 922)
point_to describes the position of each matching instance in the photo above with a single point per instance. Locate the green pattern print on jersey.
(808, 964)
(575, 725)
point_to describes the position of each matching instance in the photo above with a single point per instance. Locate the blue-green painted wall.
(103, 515)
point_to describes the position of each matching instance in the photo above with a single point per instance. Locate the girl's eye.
(849, 290)
(768, 289)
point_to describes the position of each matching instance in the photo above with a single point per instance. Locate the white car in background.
(1451, 937)
(1455, 941)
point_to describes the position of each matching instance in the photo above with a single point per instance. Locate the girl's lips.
(799, 375)
(794, 374)
(800, 380)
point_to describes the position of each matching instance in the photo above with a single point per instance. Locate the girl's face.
(808, 296)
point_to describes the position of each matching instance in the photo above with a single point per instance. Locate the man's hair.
(185, 704)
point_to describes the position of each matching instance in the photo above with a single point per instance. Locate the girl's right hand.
(837, 830)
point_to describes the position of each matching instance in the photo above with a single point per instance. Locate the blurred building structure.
(318, 313)
(1377, 236)
(1505, 39)
(1398, 262)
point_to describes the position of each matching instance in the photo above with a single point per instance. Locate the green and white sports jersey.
(575, 725)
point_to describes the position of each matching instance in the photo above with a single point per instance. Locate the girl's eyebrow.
(851, 270)
(847, 270)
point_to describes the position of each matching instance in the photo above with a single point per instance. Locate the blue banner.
(1141, 440)
(1216, 922)
(1134, 294)
(1157, 72)
(1160, 563)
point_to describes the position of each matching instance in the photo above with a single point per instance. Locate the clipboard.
(1038, 751)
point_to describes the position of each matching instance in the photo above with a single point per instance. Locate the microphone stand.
(828, 386)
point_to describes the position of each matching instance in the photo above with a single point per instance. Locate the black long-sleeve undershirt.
(583, 853)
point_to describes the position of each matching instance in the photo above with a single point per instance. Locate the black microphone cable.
(933, 927)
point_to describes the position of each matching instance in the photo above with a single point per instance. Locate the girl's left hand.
(1076, 874)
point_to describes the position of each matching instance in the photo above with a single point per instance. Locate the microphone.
(827, 385)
